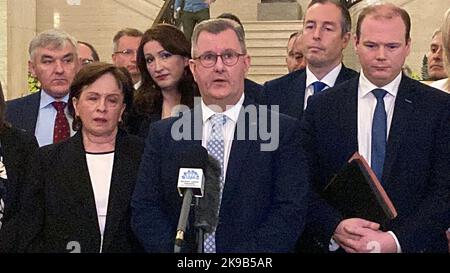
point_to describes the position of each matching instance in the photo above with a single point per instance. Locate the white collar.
(231, 112)
(329, 79)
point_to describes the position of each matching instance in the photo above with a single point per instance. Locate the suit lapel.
(238, 155)
(80, 180)
(348, 117)
(403, 109)
(31, 112)
(119, 192)
(298, 88)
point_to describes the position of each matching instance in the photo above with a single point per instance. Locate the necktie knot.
(59, 105)
(379, 93)
(218, 120)
(318, 86)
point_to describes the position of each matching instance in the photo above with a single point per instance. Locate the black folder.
(357, 193)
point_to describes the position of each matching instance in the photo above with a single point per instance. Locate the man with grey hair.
(294, 58)
(126, 43)
(435, 64)
(54, 62)
(262, 193)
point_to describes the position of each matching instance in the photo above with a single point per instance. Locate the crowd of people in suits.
(90, 162)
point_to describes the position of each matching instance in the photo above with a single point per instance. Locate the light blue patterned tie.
(215, 147)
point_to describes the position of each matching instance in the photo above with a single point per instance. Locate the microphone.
(207, 210)
(190, 183)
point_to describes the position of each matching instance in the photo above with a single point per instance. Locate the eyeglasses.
(126, 52)
(86, 61)
(209, 59)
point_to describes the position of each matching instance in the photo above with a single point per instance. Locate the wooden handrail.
(165, 15)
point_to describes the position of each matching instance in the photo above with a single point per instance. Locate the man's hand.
(361, 236)
(344, 235)
(209, 2)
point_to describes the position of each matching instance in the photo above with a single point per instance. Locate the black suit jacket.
(23, 112)
(288, 91)
(253, 90)
(17, 147)
(60, 205)
(263, 204)
(416, 169)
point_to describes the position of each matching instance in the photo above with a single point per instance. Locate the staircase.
(266, 44)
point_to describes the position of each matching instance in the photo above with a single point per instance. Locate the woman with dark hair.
(16, 148)
(79, 199)
(163, 59)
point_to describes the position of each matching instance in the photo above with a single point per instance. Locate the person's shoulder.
(19, 135)
(23, 100)
(425, 90)
(350, 73)
(131, 140)
(285, 79)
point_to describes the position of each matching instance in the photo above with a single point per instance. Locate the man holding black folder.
(400, 126)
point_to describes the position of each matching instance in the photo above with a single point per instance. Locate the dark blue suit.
(252, 89)
(23, 112)
(264, 199)
(288, 91)
(416, 172)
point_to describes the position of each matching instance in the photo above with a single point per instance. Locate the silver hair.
(54, 37)
(217, 26)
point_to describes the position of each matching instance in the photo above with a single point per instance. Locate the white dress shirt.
(232, 114)
(46, 119)
(366, 109)
(329, 80)
(440, 84)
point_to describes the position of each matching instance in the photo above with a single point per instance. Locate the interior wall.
(3, 42)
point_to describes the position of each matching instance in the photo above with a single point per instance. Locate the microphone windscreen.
(193, 156)
(207, 211)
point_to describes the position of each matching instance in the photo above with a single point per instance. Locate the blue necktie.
(318, 86)
(379, 132)
(215, 147)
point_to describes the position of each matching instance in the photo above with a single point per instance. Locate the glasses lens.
(208, 59)
(230, 58)
(86, 61)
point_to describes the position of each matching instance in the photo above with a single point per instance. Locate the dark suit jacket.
(253, 89)
(23, 112)
(60, 205)
(18, 147)
(416, 169)
(263, 204)
(288, 91)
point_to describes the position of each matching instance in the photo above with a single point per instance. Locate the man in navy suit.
(400, 126)
(54, 61)
(263, 203)
(326, 33)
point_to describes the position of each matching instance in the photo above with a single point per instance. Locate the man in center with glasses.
(262, 189)
(126, 43)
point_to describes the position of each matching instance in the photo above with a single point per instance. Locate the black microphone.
(190, 183)
(207, 210)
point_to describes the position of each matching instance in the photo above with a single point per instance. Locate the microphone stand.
(182, 221)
